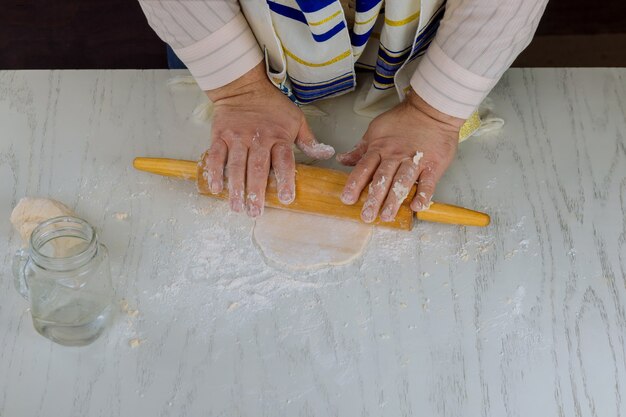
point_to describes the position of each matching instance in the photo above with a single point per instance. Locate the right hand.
(254, 128)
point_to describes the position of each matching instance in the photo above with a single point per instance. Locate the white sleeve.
(212, 37)
(476, 42)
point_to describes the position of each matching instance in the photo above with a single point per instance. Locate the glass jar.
(65, 275)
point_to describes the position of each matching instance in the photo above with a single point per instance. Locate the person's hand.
(411, 142)
(254, 128)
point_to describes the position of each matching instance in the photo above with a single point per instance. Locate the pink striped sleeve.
(224, 56)
(476, 42)
(211, 37)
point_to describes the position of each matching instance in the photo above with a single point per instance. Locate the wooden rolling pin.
(318, 191)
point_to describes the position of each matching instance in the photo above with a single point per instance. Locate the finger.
(351, 158)
(236, 174)
(381, 183)
(426, 183)
(359, 178)
(402, 183)
(213, 162)
(305, 140)
(284, 165)
(257, 173)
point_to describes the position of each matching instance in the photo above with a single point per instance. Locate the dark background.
(114, 34)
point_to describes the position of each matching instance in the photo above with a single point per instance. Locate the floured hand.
(411, 142)
(254, 127)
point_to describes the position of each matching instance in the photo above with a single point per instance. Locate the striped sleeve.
(212, 37)
(476, 42)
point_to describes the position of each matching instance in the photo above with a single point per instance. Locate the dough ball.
(30, 212)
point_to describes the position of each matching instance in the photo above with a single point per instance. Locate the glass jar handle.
(19, 277)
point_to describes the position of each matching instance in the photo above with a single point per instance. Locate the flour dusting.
(216, 269)
(418, 156)
(400, 191)
(135, 342)
(121, 216)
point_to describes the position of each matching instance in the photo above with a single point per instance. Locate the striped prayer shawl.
(318, 50)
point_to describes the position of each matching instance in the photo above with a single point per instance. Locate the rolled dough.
(304, 241)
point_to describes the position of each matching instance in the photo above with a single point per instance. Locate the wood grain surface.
(526, 317)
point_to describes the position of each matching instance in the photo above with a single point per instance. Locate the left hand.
(385, 158)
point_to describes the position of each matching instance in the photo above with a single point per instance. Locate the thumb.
(310, 146)
(351, 158)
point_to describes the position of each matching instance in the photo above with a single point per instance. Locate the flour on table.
(135, 342)
(125, 307)
(121, 216)
(305, 241)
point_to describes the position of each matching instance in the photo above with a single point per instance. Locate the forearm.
(476, 42)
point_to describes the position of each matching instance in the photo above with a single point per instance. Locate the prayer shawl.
(311, 52)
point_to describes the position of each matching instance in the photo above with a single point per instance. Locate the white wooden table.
(524, 318)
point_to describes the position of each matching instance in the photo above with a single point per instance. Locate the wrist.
(250, 81)
(415, 101)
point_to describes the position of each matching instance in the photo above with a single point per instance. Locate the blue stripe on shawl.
(360, 40)
(310, 6)
(297, 15)
(287, 11)
(363, 6)
(385, 71)
(389, 51)
(381, 79)
(425, 38)
(314, 95)
(313, 86)
(338, 89)
(394, 59)
(386, 87)
(307, 92)
(332, 32)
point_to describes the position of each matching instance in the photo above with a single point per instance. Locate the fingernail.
(367, 215)
(416, 206)
(215, 187)
(254, 210)
(236, 205)
(346, 198)
(236, 201)
(251, 206)
(207, 178)
(386, 215)
(286, 197)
